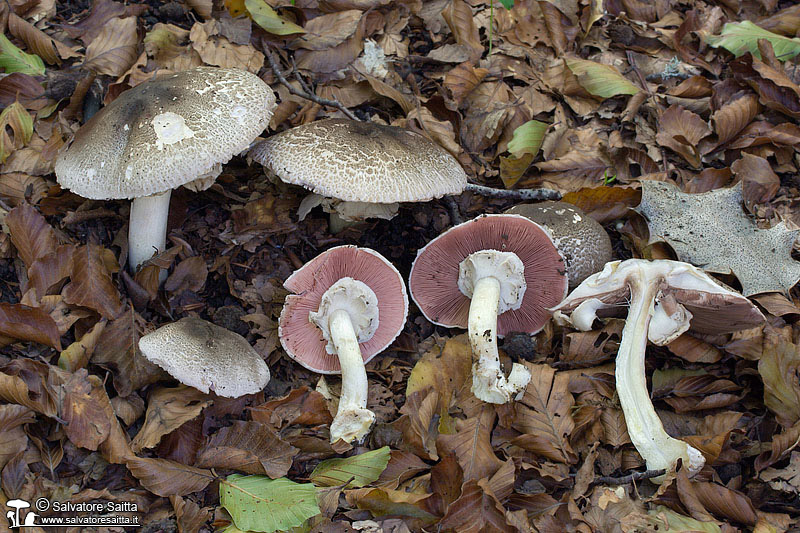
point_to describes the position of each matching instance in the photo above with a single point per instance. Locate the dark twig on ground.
(624, 480)
(514, 194)
(276, 69)
(452, 209)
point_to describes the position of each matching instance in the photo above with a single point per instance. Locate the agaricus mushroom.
(362, 162)
(348, 304)
(207, 357)
(164, 133)
(495, 274)
(583, 242)
(665, 299)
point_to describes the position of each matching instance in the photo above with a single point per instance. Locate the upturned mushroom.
(347, 305)
(495, 274)
(582, 241)
(369, 164)
(665, 299)
(207, 357)
(164, 133)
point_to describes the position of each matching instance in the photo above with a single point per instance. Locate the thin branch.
(452, 209)
(514, 194)
(276, 69)
(624, 480)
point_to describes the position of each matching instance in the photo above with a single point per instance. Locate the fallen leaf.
(785, 479)
(600, 80)
(355, 471)
(301, 406)
(711, 230)
(77, 354)
(25, 323)
(114, 50)
(779, 368)
(476, 510)
(31, 234)
(12, 59)
(263, 504)
(471, 445)
(527, 138)
(741, 37)
(90, 282)
(759, 182)
(250, 447)
(458, 16)
(167, 409)
(17, 118)
(188, 515)
(266, 17)
(329, 30)
(86, 410)
(681, 130)
(27, 382)
(12, 436)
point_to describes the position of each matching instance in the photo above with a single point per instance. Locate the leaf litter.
(605, 102)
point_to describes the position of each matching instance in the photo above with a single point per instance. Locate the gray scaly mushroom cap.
(207, 357)
(361, 162)
(165, 133)
(580, 238)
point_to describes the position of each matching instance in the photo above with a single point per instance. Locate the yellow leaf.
(600, 80)
(527, 138)
(21, 124)
(266, 17)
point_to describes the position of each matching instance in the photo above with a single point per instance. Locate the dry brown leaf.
(25, 323)
(202, 8)
(785, 479)
(694, 350)
(189, 275)
(734, 115)
(20, 188)
(214, 49)
(411, 506)
(189, 516)
(726, 503)
(102, 11)
(167, 409)
(114, 50)
(86, 410)
(615, 431)
(118, 351)
(779, 365)
(759, 182)
(12, 436)
(604, 204)
(458, 16)
(681, 130)
(27, 382)
(31, 234)
(462, 79)
(590, 348)
(249, 447)
(47, 272)
(327, 31)
(472, 445)
(90, 282)
(168, 478)
(301, 406)
(694, 87)
(38, 42)
(561, 29)
(543, 415)
(338, 57)
(775, 90)
(418, 426)
(571, 172)
(476, 510)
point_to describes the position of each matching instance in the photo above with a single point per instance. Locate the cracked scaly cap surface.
(164, 133)
(207, 357)
(362, 162)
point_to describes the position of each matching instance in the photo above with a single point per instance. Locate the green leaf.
(17, 118)
(508, 4)
(12, 59)
(362, 469)
(266, 17)
(600, 80)
(741, 37)
(527, 139)
(258, 503)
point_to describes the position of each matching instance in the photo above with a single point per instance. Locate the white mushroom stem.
(495, 283)
(658, 449)
(147, 228)
(347, 316)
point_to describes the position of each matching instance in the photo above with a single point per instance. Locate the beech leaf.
(600, 80)
(527, 138)
(359, 470)
(711, 230)
(739, 38)
(168, 409)
(91, 284)
(28, 324)
(266, 17)
(168, 478)
(258, 503)
(249, 446)
(12, 59)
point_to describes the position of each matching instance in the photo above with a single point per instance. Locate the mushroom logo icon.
(13, 516)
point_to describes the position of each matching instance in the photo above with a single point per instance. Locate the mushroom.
(581, 239)
(207, 357)
(164, 133)
(663, 297)
(348, 304)
(362, 162)
(495, 274)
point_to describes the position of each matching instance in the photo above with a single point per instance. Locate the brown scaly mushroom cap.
(580, 238)
(361, 162)
(207, 357)
(162, 134)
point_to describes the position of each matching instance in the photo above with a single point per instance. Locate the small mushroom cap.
(303, 341)
(361, 162)
(207, 357)
(715, 308)
(580, 238)
(164, 133)
(434, 274)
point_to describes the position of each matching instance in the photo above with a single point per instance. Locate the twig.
(624, 480)
(514, 194)
(452, 209)
(304, 94)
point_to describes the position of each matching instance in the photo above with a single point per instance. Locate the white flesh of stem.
(353, 419)
(644, 426)
(488, 382)
(147, 228)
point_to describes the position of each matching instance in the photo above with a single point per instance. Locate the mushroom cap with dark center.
(303, 340)
(165, 133)
(207, 357)
(434, 274)
(580, 238)
(715, 308)
(361, 162)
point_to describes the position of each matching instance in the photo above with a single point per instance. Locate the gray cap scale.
(165, 133)
(362, 162)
